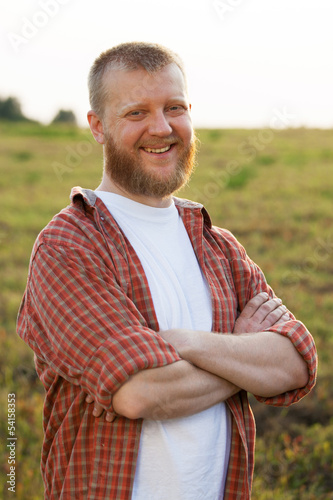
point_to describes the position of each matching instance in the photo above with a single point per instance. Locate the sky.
(247, 61)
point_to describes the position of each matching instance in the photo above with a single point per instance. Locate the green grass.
(276, 198)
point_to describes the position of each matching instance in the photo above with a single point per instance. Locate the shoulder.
(73, 226)
(228, 243)
(217, 237)
(67, 227)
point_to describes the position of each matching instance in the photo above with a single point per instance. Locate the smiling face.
(149, 144)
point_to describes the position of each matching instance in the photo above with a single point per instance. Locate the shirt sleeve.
(304, 343)
(80, 322)
(249, 281)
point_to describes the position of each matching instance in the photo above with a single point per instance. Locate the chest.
(205, 272)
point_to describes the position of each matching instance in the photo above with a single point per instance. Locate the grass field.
(274, 190)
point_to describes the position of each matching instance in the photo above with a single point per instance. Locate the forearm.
(176, 390)
(264, 363)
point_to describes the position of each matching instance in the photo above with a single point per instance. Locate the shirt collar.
(187, 205)
(88, 198)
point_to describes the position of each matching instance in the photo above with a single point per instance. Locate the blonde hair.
(127, 56)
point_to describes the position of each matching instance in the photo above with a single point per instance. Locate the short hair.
(127, 56)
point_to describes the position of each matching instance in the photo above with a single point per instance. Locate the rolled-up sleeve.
(249, 281)
(304, 343)
(79, 321)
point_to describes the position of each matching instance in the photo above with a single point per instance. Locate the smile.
(162, 150)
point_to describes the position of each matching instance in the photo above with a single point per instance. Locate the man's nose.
(159, 125)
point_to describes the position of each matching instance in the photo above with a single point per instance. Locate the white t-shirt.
(181, 458)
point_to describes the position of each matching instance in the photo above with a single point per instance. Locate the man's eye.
(177, 109)
(135, 113)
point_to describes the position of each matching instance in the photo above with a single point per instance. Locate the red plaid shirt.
(88, 315)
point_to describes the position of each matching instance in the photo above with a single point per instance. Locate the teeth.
(164, 150)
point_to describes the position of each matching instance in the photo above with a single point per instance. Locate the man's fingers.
(285, 317)
(275, 316)
(282, 316)
(98, 410)
(254, 304)
(110, 416)
(260, 313)
(271, 307)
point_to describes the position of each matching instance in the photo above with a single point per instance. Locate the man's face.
(149, 145)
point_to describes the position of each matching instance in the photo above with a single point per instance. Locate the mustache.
(158, 142)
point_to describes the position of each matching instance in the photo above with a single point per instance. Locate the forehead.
(130, 86)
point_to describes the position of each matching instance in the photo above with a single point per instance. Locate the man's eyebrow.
(132, 105)
(139, 104)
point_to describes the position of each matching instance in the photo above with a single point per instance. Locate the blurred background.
(260, 80)
(243, 57)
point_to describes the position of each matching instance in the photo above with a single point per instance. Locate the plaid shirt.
(88, 315)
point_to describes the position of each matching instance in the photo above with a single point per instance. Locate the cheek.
(129, 137)
(185, 130)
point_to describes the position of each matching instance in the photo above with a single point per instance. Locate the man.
(128, 291)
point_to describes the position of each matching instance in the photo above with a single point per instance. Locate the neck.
(110, 186)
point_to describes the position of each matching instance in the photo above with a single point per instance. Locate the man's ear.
(96, 126)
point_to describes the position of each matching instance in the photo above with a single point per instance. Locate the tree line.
(10, 109)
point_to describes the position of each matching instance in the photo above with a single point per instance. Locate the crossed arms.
(85, 328)
(215, 367)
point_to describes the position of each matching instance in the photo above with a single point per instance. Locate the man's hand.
(171, 391)
(99, 410)
(257, 360)
(260, 313)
